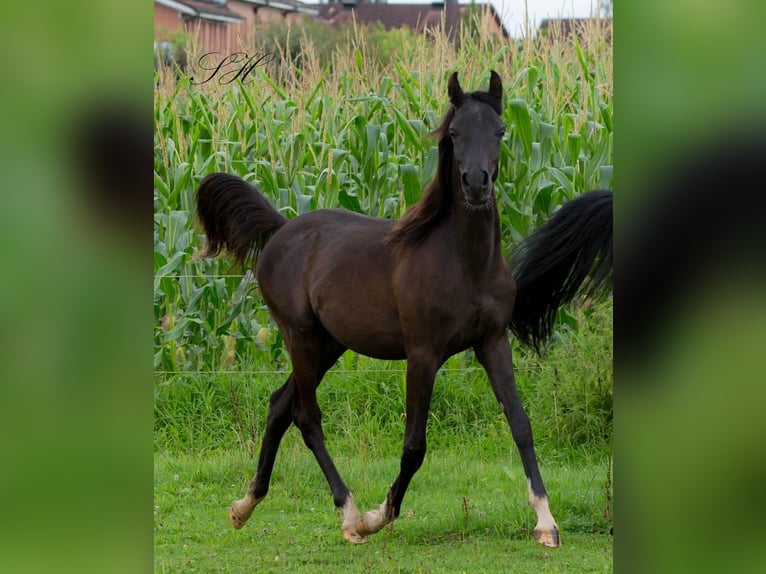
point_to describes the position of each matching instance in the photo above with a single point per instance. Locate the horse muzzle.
(477, 187)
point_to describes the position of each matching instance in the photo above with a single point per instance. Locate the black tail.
(572, 250)
(236, 216)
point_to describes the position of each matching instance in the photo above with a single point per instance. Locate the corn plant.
(354, 134)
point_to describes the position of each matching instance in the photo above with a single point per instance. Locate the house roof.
(286, 5)
(204, 9)
(415, 16)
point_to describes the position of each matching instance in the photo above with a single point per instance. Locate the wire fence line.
(200, 275)
(331, 371)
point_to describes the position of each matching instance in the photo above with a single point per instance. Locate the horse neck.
(477, 232)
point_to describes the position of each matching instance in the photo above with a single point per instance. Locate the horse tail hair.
(236, 217)
(569, 254)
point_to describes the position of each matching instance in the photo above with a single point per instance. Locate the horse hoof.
(240, 512)
(548, 538)
(353, 536)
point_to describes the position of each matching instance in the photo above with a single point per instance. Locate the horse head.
(476, 130)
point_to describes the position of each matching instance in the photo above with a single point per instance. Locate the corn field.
(353, 133)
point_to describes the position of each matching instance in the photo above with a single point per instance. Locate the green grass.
(465, 511)
(567, 394)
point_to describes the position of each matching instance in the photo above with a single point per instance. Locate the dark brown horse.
(432, 284)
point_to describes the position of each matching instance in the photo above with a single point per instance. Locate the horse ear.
(495, 85)
(454, 90)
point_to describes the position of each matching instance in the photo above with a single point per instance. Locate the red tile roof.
(208, 7)
(415, 16)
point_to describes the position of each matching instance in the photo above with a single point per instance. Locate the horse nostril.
(464, 177)
(486, 178)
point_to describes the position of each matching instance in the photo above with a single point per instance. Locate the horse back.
(332, 270)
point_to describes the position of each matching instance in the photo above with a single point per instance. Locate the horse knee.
(521, 429)
(313, 438)
(413, 456)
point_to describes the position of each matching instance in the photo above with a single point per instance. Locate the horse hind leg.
(277, 423)
(495, 356)
(312, 357)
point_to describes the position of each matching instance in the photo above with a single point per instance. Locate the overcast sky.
(512, 11)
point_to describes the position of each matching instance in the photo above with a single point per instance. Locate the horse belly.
(362, 322)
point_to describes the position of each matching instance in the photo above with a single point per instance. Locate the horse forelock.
(487, 98)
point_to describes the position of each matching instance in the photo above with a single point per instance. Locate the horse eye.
(451, 133)
(501, 133)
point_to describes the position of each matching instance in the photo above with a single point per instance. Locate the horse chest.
(460, 324)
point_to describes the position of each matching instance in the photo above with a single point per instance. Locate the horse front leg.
(421, 371)
(495, 356)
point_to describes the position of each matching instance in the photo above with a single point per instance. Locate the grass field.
(465, 512)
